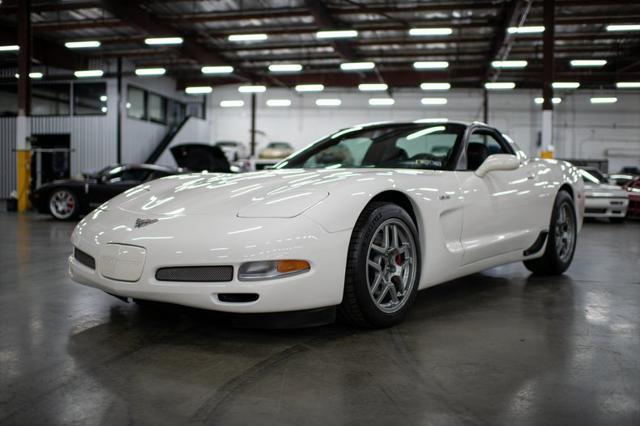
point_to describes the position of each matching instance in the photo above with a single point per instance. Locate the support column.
(485, 106)
(23, 127)
(547, 149)
(253, 124)
(119, 112)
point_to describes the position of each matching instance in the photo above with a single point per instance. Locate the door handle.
(531, 177)
(444, 196)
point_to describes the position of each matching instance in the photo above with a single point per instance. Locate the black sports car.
(66, 199)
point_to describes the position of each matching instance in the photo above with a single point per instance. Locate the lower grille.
(84, 258)
(196, 273)
(594, 210)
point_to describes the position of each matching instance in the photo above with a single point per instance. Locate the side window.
(137, 175)
(481, 145)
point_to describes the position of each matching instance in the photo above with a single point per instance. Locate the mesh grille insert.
(196, 273)
(84, 258)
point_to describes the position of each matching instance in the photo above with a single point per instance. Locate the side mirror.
(498, 162)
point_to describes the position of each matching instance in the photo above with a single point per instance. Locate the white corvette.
(359, 221)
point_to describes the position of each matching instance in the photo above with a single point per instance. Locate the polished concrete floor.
(501, 347)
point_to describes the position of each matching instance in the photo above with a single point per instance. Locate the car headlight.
(272, 269)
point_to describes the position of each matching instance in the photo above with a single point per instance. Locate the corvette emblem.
(144, 222)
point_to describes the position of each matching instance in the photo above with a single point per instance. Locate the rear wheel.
(383, 267)
(64, 204)
(561, 241)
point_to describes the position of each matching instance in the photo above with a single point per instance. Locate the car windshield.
(407, 146)
(592, 176)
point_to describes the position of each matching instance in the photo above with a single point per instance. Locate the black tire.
(617, 219)
(358, 307)
(551, 263)
(59, 195)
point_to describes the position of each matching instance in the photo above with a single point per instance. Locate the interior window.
(136, 103)
(481, 145)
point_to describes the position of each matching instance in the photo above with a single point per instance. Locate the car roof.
(424, 121)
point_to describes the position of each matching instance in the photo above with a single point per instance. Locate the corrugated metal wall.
(7, 156)
(93, 141)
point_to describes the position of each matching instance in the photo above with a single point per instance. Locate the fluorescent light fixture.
(623, 27)
(278, 102)
(328, 102)
(32, 75)
(431, 120)
(372, 87)
(309, 87)
(588, 62)
(103, 98)
(155, 41)
(502, 85)
(103, 109)
(355, 66)
(150, 71)
(435, 86)
(218, 69)
(82, 44)
(381, 101)
(553, 100)
(198, 90)
(285, 68)
(526, 30)
(252, 89)
(9, 48)
(604, 100)
(248, 37)
(431, 65)
(429, 31)
(433, 101)
(233, 103)
(88, 73)
(628, 85)
(337, 34)
(426, 131)
(509, 64)
(565, 84)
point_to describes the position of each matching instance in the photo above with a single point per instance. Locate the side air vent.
(196, 274)
(84, 258)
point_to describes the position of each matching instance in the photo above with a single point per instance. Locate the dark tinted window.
(157, 108)
(50, 98)
(89, 98)
(136, 103)
(137, 175)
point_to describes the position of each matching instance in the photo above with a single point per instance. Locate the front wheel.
(561, 241)
(383, 267)
(64, 204)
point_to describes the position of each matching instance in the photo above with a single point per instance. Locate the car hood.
(198, 157)
(269, 193)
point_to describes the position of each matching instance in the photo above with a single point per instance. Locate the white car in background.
(603, 200)
(233, 150)
(356, 223)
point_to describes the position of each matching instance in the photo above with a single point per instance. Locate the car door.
(498, 206)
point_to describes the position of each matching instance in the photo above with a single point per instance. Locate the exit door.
(50, 158)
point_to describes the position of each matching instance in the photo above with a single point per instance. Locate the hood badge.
(144, 222)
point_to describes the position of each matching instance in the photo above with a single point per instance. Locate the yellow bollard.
(24, 179)
(546, 154)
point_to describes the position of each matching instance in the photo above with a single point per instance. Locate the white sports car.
(359, 221)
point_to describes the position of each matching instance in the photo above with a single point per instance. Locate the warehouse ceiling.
(473, 34)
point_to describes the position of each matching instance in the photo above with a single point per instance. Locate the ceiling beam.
(509, 17)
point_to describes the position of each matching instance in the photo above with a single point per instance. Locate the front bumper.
(605, 207)
(199, 241)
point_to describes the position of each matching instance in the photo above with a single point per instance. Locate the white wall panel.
(580, 128)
